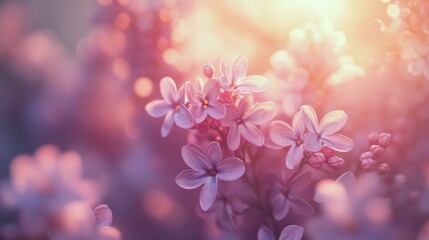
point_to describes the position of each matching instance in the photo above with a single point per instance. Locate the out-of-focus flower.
(324, 133)
(234, 78)
(173, 107)
(285, 196)
(242, 121)
(205, 103)
(206, 168)
(44, 184)
(291, 232)
(284, 135)
(103, 216)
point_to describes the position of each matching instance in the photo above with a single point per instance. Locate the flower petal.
(216, 110)
(332, 122)
(292, 232)
(208, 193)
(338, 142)
(282, 134)
(199, 113)
(214, 154)
(194, 96)
(225, 71)
(183, 118)
(294, 156)
(103, 215)
(253, 83)
(230, 169)
(312, 143)
(195, 157)
(168, 124)
(244, 105)
(264, 233)
(298, 125)
(239, 69)
(280, 205)
(310, 118)
(158, 108)
(211, 90)
(233, 138)
(190, 179)
(261, 113)
(168, 89)
(251, 134)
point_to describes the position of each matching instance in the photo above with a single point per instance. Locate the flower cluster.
(410, 22)
(223, 109)
(315, 59)
(52, 198)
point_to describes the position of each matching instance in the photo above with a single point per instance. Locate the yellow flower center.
(177, 108)
(298, 142)
(206, 103)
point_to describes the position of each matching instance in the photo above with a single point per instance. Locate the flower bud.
(373, 138)
(336, 162)
(384, 139)
(366, 155)
(384, 168)
(316, 160)
(208, 70)
(367, 164)
(376, 150)
(327, 152)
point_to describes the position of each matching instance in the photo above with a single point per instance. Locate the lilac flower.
(242, 121)
(173, 107)
(206, 102)
(285, 197)
(235, 79)
(291, 232)
(206, 169)
(284, 135)
(324, 133)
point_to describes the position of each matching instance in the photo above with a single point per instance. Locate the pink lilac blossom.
(172, 107)
(206, 168)
(243, 119)
(324, 133)
(205, 103)
(284, 135)
(291, 232)
(234, 77)
(285, 196)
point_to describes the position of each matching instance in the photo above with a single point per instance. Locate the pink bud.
(367, 164)
(203, 127)
(327, 152)
(373, 138)
(366, 155)
(376, 150)
(399, 180)
(384, 139)
(384, 168)
(336, 162)
(316, 160)
(208, 70)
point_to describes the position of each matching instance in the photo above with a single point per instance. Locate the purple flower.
(284, 135)
(242, 121)
(206, 169)
(285, 197)
(235, 79)
(324, 133)
(173, 107)
(206, 102)
(291, 232)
